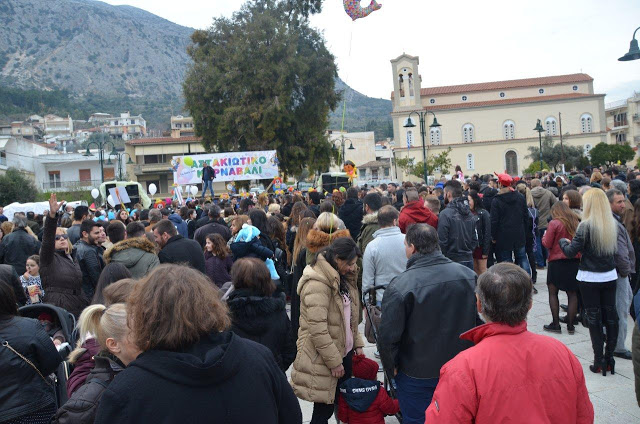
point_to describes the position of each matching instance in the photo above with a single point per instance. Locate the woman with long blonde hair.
(596, 239)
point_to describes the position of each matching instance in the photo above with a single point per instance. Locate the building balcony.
(70, 185)
(152, 168)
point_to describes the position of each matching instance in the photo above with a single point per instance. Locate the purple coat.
(83, 366)
(218, 270)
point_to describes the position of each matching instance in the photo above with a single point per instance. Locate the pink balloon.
(356, 11)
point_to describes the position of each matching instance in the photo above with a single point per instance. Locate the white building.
(126, 127)
(21, 153)
(55, 126)
(73, 171)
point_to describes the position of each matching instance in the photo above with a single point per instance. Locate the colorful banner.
(231, 166)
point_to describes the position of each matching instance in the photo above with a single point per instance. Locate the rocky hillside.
(120, 58)
(88, 46)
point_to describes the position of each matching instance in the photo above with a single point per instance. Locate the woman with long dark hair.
(258, 315)
(328, 335)
(562, 271)
(112, 273)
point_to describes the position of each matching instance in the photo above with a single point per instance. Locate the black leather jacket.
(424, 311)
(22, 390)
(89, 258)
(590, 260)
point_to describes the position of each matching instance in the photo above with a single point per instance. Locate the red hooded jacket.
(381, 406)
(415, 212)
(511, 375)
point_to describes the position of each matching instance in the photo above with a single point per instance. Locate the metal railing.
(70, 185)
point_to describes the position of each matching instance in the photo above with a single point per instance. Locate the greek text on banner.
(231, 166)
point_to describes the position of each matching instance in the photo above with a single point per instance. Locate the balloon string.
(344, 101)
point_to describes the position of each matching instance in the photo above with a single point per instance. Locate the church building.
(490, 126)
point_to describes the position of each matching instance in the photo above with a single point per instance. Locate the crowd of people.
(183, 308)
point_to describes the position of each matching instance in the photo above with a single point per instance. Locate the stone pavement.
(613, 396)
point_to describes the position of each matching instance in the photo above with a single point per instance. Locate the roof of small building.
(376, 164)
(163, 140)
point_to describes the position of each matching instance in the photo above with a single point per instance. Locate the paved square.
(613, 396)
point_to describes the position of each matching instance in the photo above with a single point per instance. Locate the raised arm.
(48, 247)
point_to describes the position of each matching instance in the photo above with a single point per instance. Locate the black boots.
(611, 324)
(594, 316)
(594, 322)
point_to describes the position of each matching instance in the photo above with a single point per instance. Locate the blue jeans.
(208, 184)
(520, 257)
(541, 252)
(468, 264)
(414, 396)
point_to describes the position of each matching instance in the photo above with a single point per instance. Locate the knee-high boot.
(611, 324)
(594, 321)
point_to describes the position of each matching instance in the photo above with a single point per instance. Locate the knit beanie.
(364, 368)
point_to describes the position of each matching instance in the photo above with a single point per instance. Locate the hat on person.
(504, 179)
(364, 368)
(45, 316)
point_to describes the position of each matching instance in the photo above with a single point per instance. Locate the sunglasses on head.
(61, 237)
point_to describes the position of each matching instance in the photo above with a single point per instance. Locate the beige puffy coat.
(322, 336)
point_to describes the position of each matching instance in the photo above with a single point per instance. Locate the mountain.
(88, 46)
(118, 58)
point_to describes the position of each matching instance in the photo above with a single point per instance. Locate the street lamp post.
(422, 115)
(101, 144)
(119, 157)
(343, 141)
(540, 130)
(634, 50)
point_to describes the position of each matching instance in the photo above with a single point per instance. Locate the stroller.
(67, 323)
(371, 332)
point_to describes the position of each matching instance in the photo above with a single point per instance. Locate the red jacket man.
(511, 374)
(414, 211)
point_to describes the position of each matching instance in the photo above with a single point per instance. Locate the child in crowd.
(52, 328)
(363, 399)
(30, 281)
(218, 259)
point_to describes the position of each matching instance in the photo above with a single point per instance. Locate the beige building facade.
(182, 126)
(363, 143)
(623, 121)
(489, 126)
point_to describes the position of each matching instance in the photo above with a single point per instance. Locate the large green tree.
(552, 154)
(609, 154)
(264, 79)
(15, 187)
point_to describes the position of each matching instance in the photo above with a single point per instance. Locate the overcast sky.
(462, 41)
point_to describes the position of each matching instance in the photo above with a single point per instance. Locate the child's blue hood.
(359, 394)
(247, 233)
